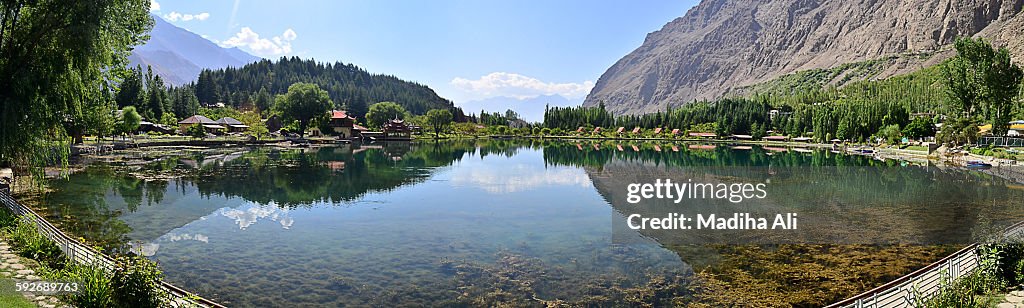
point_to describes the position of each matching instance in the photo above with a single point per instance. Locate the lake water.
(475, 223)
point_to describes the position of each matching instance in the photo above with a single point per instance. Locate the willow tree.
(55, 56)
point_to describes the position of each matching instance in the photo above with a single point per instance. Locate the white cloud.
(519, 178)
(175, 16)
(154, 6)
(519, 86)
(275, 46)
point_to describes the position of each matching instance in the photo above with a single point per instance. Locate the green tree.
(960, 130)
(382, 112)
(252, 119)
(439, 119)
(197, 131)
(263, 99)
(131, 91)
(303, 103)
(982, 78)
(919, 128)
(891, 133)
(129, 121)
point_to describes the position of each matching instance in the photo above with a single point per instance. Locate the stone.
(33, 277)
(1006, 305)
(16, 266)
(1014, 299)
(1018, 293)
(24, 272)
(9, 256)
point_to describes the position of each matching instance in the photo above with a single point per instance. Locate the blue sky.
(463, 49)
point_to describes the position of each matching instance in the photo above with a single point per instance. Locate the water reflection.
(483, 222)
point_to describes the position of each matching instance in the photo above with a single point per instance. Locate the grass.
(10, 298)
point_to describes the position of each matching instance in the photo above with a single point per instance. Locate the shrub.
(94, 288)
(30, 243)
(136, 283)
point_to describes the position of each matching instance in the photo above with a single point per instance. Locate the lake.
(485, 222)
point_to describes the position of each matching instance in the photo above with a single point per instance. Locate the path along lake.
(488, 222)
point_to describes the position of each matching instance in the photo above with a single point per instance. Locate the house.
(802, 139)
(703, 135)
(211, 126)
(150, 127)
(397, 130)
(596, 130)
(742, 137)
(636, 130)
(776, 138)
(232, 125)
(620, 130)
(342, 124)
(675, 132)
(657, 131)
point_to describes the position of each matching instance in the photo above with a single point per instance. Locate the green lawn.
(11, 299)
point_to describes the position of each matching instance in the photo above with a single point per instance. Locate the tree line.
(977, 86)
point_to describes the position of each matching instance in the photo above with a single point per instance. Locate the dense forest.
(349, 86)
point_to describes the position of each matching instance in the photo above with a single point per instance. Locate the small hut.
(657, 131)
(636, 130)
(620, 130)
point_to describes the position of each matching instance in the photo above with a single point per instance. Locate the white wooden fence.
(915, 288)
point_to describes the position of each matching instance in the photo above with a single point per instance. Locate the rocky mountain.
(720, 45)
(178, 55)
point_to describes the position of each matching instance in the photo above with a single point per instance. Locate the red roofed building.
(343, 124)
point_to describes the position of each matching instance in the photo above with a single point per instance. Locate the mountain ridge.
(178, 55)
(720, 45)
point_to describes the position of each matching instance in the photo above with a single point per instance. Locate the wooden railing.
(83, 254)
(915, 288)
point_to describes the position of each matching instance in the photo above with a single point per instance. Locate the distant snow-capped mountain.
(178, 55)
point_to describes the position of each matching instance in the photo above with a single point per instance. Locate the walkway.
(13, 266)
(1013, 300)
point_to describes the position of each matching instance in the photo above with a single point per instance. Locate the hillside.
(720, 46)
(178, 55)
(348, 85)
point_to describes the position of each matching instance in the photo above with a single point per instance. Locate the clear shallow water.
(453, 223)
(275, 228)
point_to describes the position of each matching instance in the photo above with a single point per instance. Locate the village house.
(343, 124)
(232, 125)
(211, 126)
